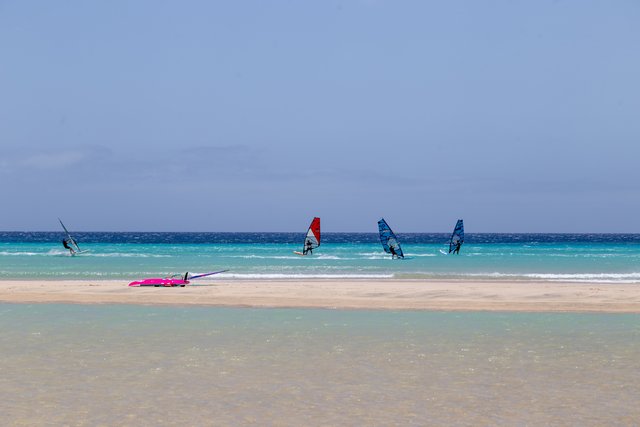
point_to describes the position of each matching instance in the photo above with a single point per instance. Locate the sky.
(518, 116)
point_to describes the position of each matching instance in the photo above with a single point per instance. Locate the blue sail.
(388, 239)
(457, 236)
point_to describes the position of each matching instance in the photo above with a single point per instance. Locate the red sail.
(312, 240)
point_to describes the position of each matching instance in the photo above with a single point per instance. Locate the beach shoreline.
(379, 294)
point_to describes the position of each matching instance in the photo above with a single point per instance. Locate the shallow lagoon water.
(148, 365)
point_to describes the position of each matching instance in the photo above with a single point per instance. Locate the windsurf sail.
(457, 236)
(312, 239)
(70, 240)
(389, 240)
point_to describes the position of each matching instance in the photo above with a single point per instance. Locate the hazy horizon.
(303, 231)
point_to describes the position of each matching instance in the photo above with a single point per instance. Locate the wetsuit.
(66, 245)
(308, 249)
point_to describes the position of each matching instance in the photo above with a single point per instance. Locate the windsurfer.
(393, 252)
(66, 245)
(308, 249)
(457, 238)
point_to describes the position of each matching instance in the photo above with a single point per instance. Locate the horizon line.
(324, 232)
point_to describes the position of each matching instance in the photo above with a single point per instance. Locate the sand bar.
(342, 294)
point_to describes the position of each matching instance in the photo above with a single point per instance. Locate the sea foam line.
(302, 276)
(126, 255)
(568, 277)
(57, 253)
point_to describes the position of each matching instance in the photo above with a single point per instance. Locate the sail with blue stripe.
(389, 240)
(457, 237)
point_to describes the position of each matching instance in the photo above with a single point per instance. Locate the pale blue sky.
(258, 115)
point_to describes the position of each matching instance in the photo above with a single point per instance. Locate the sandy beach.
(341, 294)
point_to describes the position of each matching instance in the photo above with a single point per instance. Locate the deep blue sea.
(129, 255)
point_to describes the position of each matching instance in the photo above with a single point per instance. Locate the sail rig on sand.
(172, 281)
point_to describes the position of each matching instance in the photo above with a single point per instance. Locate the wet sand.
(343, 294)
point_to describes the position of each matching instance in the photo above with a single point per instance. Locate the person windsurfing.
(308, 249)
(312, 238)
(389, 240)
(457, 238)
(66, 245)
(393, 252)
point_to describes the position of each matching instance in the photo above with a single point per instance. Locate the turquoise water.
(596, 258)
(145, 365)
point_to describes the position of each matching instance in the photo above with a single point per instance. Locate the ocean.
(127, 256)
(157, 365)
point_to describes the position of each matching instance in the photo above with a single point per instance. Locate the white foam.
(56, 252)
(323, 257)
(326, 257)
(125, 255)
(302, 276)
(577, 277)
(264, 256)
(6, 253)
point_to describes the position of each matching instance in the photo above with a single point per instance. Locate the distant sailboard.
(172, 281)
(457, 237)
(71, 242)
(312, 239)
(389, 240)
